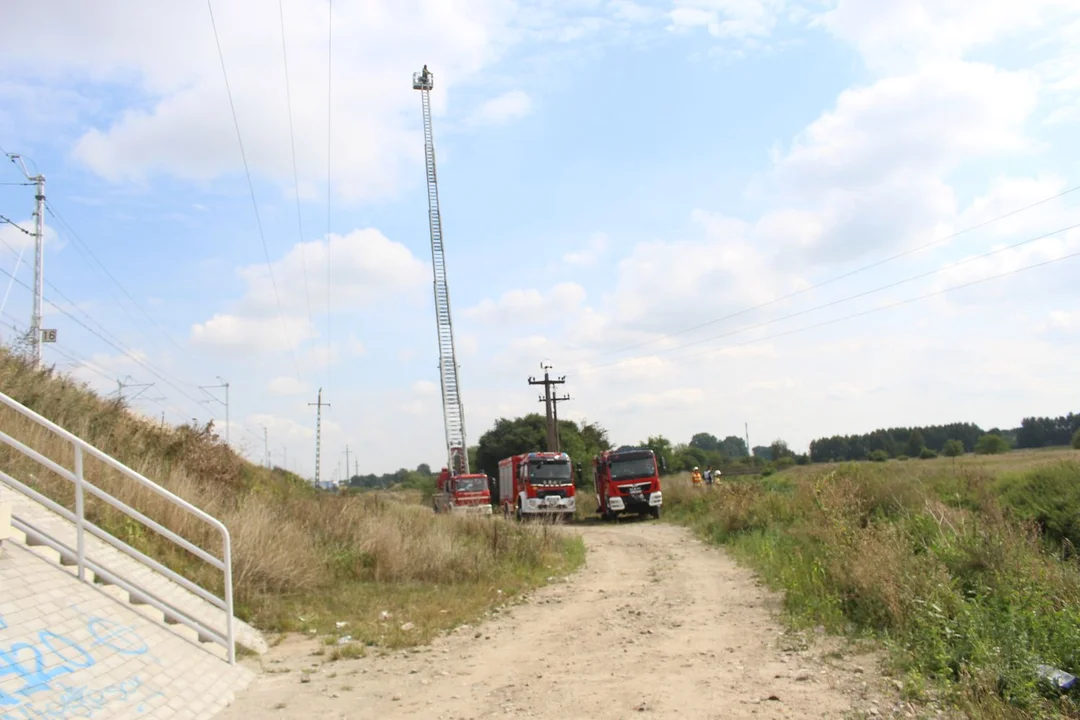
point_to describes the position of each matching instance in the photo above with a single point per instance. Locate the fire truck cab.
(467, 493)
(627, 481)
(537, 483)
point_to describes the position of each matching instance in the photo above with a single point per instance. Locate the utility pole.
(318, 434)
(746, 429)
(346, 459)
(36, 332)
(555, 416)
(285, 457)
(121, 384)
(225, 385)
(547, 382)
(266, 446)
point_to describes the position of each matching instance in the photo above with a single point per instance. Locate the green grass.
(964, 570)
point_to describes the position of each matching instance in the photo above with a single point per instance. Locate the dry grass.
(302, 559)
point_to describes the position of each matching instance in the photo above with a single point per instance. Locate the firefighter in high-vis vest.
(695, 476)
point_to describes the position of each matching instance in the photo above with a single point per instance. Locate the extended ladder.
(453, 413)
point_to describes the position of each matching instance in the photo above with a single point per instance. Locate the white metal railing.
(77, 555)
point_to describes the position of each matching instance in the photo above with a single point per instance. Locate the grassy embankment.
(966, 569)
(302, 559)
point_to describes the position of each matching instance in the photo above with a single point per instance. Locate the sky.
(708, 215)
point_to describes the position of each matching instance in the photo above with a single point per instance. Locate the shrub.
(991, 445)
(879, 456)
(952, 448)
(1076, 439)
(1049, 496)
(901, 457)
(928, 454)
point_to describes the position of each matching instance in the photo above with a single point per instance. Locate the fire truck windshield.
(470, 484)
(552, 471)
(633, 468)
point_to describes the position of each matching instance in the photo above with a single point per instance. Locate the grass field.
(964, 568)
(303, 560)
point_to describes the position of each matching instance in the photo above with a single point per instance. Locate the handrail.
(82, 525)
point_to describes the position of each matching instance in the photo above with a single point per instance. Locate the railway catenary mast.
(453, 413)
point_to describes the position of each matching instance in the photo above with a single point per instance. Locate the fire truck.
(537, 484)
(468, 493)
(627, 481)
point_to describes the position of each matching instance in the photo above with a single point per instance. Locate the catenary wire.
(848, 274)
(109, 336)
(871, 311)
(84, 246)
(849, 298)
(251, 189)
(118, 348)
(292, 144)
(329, 162)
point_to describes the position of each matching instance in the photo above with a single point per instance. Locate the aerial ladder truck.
(457, 489)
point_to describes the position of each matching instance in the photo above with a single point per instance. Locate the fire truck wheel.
(517, 512)
(655, 512)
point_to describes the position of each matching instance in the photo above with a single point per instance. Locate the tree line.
(1034, 432)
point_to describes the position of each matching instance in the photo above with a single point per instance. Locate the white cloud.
(588, 255)
(239, 334)
(425, 387)
(899, 35)
(347, 273)
(727, 18)
(287, 385)
(509, 106)
(529, 306)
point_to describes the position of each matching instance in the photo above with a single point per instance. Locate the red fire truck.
(468, 493)
(627, 481)
(537, 483)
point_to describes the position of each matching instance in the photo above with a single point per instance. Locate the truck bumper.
(629, 503)
(565, 506)
(472, 509)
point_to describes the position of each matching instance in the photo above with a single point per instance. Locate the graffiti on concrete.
(46, 665)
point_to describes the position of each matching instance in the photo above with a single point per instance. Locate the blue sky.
(611, 172)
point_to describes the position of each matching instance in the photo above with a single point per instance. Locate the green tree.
(952, 448)
(991, 444)
(661, 447)
(734, 447)
(915, 443)
(779, 449)
(423, 469)
(878, 456)
(705, 441)
(1076, 440)
(529, 434)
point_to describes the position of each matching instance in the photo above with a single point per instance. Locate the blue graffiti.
(3, 625)
(26, 660)
(121, 638)
(79, 702)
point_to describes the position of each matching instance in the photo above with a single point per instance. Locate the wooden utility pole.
(555, 415)
(549, 405)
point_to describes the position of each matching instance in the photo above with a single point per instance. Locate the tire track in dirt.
(656, 623)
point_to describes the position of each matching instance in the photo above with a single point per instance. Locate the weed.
(302, 559)
(964, 569)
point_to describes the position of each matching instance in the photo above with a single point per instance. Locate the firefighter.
(708, 475)
(695, 476)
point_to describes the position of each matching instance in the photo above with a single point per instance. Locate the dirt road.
(656, 623)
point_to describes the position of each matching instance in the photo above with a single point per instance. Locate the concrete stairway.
(81, 649)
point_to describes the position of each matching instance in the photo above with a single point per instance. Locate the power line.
(329, 161)
(845, 299)
(292, 143)
(117, 283)
(119, 349)
(842, 276)
(16, 225)
(875, 310)
(251, 189)
(74, 305)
